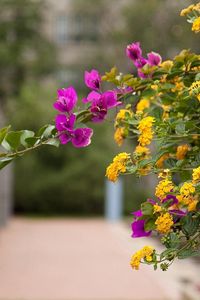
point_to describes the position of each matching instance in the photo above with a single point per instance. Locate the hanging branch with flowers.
(159, 107)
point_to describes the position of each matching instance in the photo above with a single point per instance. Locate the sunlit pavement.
(72, 259)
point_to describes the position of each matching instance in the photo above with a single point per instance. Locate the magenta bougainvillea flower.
(92, 96)
(171, 198)
(99, 110)
(138, 226)
(140, 62)
(93, 79)
(67, 99)
(100, 103)
(133, 51)
(65, 123)
(154, 59)
(80, 137)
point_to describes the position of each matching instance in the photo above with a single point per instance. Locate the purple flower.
(92, 97)
(93, 79)
(67, 99)
(65, 123)
(153, 202)
(154, 59)
(110, 98)
(100, 103)
(177, 212)
(99, 110)
(80, 137)
(141, 62)
(173, 199)
(137, 213)
(133, 51)
(138, 229)
(138, 225)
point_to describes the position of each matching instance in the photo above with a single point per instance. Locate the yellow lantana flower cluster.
(122, 130)
(160, 161)
(164, 187)
(187, 197)
(146, 132)
(187, 189)
(119, 135)
(142, 151)
(121, 115)
(196, 25)
(195, 89)
(164, 223)
(189, 201)
(181, 151)
(117, 166)
(196, 175)
(144, 253)
(187, 10)
(157, 208)
(142, 105)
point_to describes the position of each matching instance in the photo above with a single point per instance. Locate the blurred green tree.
(25, 52)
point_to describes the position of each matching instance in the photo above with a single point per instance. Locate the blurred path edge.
(61, 259)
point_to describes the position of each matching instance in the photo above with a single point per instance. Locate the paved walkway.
(75, 259)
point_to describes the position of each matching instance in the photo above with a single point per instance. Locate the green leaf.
(149, 224)
(170, 163)
(174, 240)
(188, 253)
(46, 131)
(31, 141)
(147, 209)
(82, 114)
(53, 142)
(197, 77)
(174, 73)
(26, 134)
(13, 138)
(3, 132)
(190, 225)
(180, 128)
(148, 93)
(131, 169)
(5, 161)
(143, 163)
(168, 254)
(157, 112)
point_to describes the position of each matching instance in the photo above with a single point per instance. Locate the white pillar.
(114, 200)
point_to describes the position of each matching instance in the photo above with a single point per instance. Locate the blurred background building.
(48, 44)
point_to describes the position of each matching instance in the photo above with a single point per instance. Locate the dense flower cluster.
(195, 89)
(80, 137)
(164, 223)
(146, 132)
(181, 151)
(145, 253)
(196, 175)
(163, 188)
(118, 166)
(193, 14)
(145, 66)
